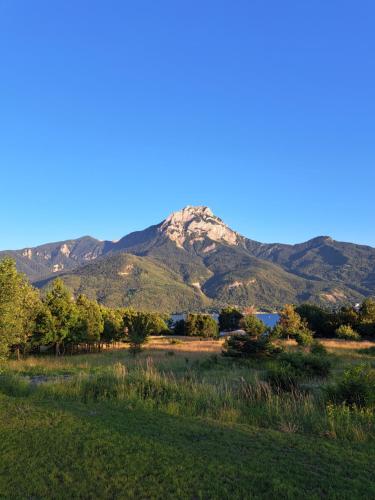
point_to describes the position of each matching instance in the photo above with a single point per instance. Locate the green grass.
(192, 425)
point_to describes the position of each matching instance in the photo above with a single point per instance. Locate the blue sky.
(115, 113)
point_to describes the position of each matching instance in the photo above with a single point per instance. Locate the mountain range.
(193, 261)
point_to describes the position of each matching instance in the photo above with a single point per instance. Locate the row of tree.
(346, 322)
(57, 321)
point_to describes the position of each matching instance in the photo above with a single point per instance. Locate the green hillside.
(124, 280)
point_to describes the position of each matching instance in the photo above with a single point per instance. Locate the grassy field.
(178, 421)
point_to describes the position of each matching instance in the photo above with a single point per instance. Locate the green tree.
(44, 332)
(290, 324)
(63, 310)
(367, 310)
(113, 326)
(229, 319)
(201, 325)
(140, 327)
(90, 323)
(367, 318)
(319, 320)
(253, 325)
(19, 302)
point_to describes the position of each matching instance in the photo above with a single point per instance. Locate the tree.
(89, 325)
(10, 305)
(253, 325)
(113, 327)
(19, 302)
(319, 320)
(367, 318)
(179, 327)
(30, 306)
(229, 319)
(140, 328)
(44, 332)
(290, 324)
(245, 345)
(367, 310)
(201, 325)
(63, 310)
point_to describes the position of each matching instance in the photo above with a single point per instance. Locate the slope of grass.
(72, 450)
(183, 425)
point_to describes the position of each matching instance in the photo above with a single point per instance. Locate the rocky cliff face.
(208, 262)
(195, 224)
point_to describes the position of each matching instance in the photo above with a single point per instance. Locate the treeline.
(57, 322)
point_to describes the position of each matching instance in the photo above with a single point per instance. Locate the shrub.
(308, 365)
(303, 337)
(346, 332)
(355, 388)
(370, 351)
(247, 346)
(283, 376)
(318, 348)
(253, 325)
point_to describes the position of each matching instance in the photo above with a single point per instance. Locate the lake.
(270, 319)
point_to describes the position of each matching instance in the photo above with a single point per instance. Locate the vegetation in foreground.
(181, 421)
(197, 418)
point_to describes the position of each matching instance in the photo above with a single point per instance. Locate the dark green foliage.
(367, 318)
(290, 369)
(318, 319)
(308, 365)
(356, 387)
(179, 327)
(370, 351)
(201, 325)
(318, 348)
(246, 346)
(229, 319)
(253, 325)
(138, 331)
(113, 326)
(89, 324)
(283, 376)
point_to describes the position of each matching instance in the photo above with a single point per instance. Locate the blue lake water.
(270, 319)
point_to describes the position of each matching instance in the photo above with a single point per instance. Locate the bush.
(283, 376)
(355, 388)
(308, 365)
(247, 346)
(303, 337)
(253, 325)
(346, 332)
(370, 351)
(318, 348)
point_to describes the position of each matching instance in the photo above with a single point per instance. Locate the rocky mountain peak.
(194, 224)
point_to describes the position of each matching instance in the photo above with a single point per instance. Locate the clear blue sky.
(115, 113)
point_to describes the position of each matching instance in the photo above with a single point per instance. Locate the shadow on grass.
(108, 450)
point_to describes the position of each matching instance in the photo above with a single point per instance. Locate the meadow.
(180, 421)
